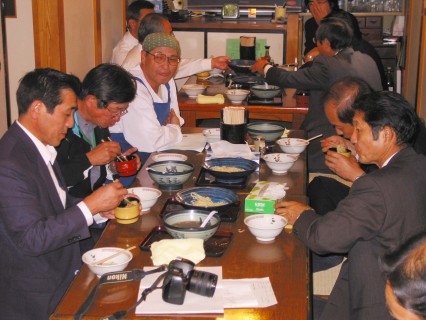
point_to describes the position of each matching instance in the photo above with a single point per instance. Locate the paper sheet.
(191, 141)
(193, 303)
(230, 293)
(248, 293)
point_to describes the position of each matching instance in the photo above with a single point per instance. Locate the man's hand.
(335, 141)
(104, 153)
(319, 9)
(291, 210)
(105, 198)
(220, 62)
(259, 66)
(173, 118)
(344, 167)
(311, 55)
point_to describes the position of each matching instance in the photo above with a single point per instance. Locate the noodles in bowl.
(209, 198)
(230, 170)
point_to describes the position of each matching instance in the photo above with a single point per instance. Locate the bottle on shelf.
(267, 56)
(389, 79)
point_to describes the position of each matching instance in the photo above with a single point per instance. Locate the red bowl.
(126, 168)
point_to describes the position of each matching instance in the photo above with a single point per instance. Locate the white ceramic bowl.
(212, 135)
(236, 95)
(193, 90)
(292, 145)
(169, 157)
(118, 263)
(280, 163)
(147, 196)
(265, 227)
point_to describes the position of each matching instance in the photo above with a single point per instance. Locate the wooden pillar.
(292, 43)
(97, 31)
(49, 42)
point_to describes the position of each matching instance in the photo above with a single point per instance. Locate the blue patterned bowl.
(217, 198)
(170, 175)
(184, 224)
(242, 166)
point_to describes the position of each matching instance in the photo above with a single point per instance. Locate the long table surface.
(285, 260)
(191, 111)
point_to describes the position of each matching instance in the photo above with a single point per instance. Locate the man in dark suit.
(336, 60)
(86, 152)
(40, 223)
(382, 209)
(106, 92)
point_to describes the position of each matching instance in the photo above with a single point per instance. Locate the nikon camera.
(181, 276)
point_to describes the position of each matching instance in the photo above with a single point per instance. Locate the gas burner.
(276, 101)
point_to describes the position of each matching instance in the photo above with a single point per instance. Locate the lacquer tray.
(214, 247)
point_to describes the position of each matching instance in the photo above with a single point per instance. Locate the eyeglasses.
(118, 113)
(160, 58)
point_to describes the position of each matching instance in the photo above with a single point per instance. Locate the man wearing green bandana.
(153, 122)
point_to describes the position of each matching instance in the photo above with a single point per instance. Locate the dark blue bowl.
(221, 197)
(247, 167)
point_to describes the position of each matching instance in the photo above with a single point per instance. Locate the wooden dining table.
(192, 111)
(285, 260)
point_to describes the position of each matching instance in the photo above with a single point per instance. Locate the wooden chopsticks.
(98, 262)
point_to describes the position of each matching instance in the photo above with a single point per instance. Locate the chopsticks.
(121, 157)
(234, 115)
(95, 263)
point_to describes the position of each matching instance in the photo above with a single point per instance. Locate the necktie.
(59, 178)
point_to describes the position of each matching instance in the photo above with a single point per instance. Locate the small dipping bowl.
(118, 263)
(265, 227)
(237, 95)
(292, 145)
(193, 90)
(127, 212)
(280, 163)
(147, 196)
(126, 168)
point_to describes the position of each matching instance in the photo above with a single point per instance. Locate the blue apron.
(162, 110)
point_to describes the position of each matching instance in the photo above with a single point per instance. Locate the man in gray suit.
(337, 60)
(382, 209)
(40, 224)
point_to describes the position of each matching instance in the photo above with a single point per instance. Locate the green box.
(263, 197)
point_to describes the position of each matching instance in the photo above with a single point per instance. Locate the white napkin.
(191, 141)
(223, 148)
(166, 250)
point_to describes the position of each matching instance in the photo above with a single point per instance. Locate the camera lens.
(202, 283)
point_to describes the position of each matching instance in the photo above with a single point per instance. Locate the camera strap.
(117, 277)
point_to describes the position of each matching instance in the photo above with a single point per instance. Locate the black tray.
(214, 247)
(227, 214)
(205, 179)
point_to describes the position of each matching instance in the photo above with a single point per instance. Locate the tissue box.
(263, 197)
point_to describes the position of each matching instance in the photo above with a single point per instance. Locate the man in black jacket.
(86, 151)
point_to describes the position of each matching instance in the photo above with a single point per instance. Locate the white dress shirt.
(120, 51)
(140, 126)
